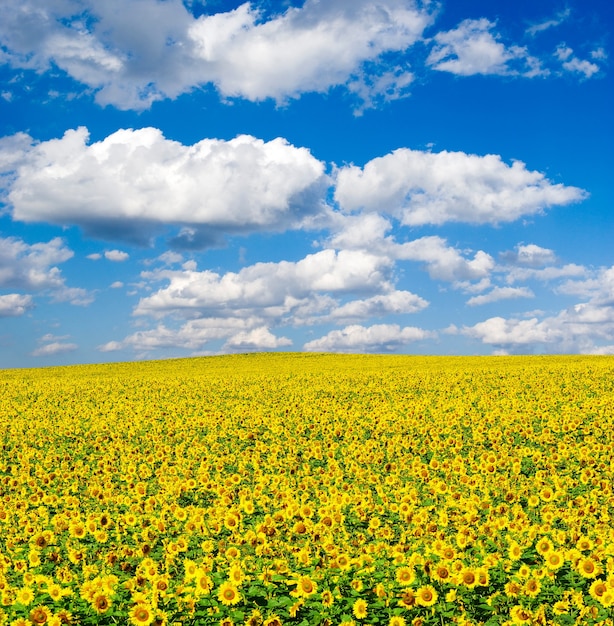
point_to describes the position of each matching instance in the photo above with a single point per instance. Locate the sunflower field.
(309, 490)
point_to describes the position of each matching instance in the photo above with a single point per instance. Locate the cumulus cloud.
(14, 304)
(134, 181)
(273, 289)
(116, 255)
(56, 347)
(545, 274)
(394, 303)
(33, 267)
(134, 52)
(434, 188)
(501, 332)
(192, 335)
(474, 48)
(584, 327)
(573, 64)
(500, 293)
(529, 255)
(377, 338)
(52, 349)
(444, 262)
(260, 338)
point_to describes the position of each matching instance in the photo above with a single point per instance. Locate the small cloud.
(473, 48)
(111, 346)
(547, 24)
(573, 64)
(95, 256)
(599, 54)
(501, 293)
(116, 255)
(14, 304)
(117, 284)
(57, 347)
(256, 339)
(529, 255)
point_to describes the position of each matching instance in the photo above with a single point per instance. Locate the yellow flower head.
(228, 594)
(359, 609)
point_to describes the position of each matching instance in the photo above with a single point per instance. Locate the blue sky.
(194, 178)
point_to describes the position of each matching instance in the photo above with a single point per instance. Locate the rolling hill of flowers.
(309, 490)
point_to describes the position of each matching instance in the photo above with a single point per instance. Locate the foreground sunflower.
(359, 609)
(228, 594)
(141, 614)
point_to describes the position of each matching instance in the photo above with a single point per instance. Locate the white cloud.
(472, 48)
(500, 293)
(116, 255)
(192, 335)
(434, 188)
(444, 262)
(54, 348)
(134, 181)
(573, 64)
(117, 284)
(95, 256)
(394, 303)
(377, 338)
(530, 255)
(545, 274)
(32, 267)
(540, 27)
(260, 338)
(501, 331)
(585, 327)
(273, 289)
(14, 304)
(134, 52)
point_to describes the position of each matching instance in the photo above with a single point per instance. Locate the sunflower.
(408, 599)
(405, 576)
(426, 596)
(101, 603)
(25, 596)
(359, 608)
(141, 614)
(597, 589)
(254, 618)
(231, 522)
(40, 615)
(236, 575)
(396, 620)
(588, 567)
(514, 552)
(544, 546)
(343, 562)
(305, 587)
(532, 587)
(204, 584)
(228, 594)
(327, 598)
(520, 615)
(468, 577)
(482, 577)
(555, 560)
(441, 573)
